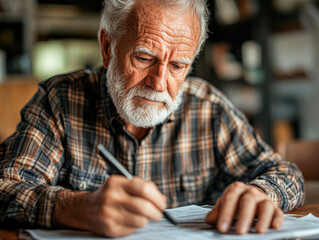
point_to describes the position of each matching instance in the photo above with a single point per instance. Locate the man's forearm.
(70, 209)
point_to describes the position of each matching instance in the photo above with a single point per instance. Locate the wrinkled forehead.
(154, 23)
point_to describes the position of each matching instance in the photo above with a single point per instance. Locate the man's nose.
(157, 78)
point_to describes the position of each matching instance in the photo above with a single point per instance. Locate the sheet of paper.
(192, 226)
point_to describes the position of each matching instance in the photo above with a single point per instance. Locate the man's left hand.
(245, 202)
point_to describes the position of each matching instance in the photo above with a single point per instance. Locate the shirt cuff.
(46, 204)
(273, 191)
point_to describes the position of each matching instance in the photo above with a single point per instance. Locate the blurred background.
(262, 54)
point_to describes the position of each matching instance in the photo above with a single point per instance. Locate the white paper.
(191, 225)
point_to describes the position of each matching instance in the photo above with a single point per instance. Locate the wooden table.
(311, 208)
(304, 210)
(9, 234)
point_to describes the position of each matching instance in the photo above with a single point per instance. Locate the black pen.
(108, 157)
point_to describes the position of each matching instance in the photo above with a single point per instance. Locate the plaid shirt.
(202, 147)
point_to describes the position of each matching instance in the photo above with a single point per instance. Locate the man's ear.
(105, 42)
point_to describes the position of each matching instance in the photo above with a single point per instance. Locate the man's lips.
(151, 102)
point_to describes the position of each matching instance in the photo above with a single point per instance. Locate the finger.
(143, 207)
(212, 216)
(131, 220)
(228, 205)
(278, 219)
(265, 213)
(113, 229)
(147, 190)
(246, 212)
(126, 198)
(121, 232)
(115, 223)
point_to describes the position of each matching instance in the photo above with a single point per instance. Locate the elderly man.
(183, 141)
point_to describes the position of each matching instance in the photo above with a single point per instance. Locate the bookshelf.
(240, 56)
(17, 34)
(265, 56)
(236, 58)
(26, 23)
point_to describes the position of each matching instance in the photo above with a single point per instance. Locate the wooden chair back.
(14, 94)
(305, 154)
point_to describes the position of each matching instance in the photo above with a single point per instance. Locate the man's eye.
(143, 59)
(176, 66)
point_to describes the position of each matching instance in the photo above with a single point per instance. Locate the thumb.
(212, 216)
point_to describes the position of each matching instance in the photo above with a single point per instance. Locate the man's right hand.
(118, 208)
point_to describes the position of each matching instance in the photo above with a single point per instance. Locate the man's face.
(151, 61)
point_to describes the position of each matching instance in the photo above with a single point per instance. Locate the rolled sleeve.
(284, 185)
(30, 161)
(247, 158)
(31, 205)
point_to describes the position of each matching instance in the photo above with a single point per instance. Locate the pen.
(108, 157)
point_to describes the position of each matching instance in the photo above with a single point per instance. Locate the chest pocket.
(195, 187)
(83, 180)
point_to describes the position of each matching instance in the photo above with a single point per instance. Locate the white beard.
(141, 115)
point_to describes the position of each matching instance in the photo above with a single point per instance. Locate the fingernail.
(242, 228)
(261, 229)
(276, 224)
(224, 227)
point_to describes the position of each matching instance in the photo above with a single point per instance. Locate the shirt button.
(82, 185)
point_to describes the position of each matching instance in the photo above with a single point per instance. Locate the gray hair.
(115, 13)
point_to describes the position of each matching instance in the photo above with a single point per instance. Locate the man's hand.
(245, 202)
(118, 208)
